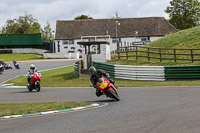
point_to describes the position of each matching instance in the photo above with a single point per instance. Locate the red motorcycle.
(108, 88)
(34, 82)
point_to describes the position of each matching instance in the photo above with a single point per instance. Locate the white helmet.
(32, 67)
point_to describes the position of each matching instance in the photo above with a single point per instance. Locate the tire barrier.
(150, 73)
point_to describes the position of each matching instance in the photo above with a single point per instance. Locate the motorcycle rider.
(16, 64)
(95, 75)
(31, 71)
(1, 66)
(1, 62)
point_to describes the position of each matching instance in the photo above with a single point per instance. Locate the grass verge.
(7, 109)
(61, 77)
(20, 57)
(64, 77)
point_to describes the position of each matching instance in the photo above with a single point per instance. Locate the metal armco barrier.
(109, 68)
(174, 73)
(151, 73)
(76, 70)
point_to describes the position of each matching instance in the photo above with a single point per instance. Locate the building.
(129, 31)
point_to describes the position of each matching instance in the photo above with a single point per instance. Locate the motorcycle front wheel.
(37, 86)
(113, 95)
(29, 88)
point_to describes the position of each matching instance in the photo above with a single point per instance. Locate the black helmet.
(92, 70)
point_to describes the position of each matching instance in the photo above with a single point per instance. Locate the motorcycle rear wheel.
(113, 95)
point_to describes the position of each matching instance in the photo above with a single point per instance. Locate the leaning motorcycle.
(16, 65)
(1, 68)
(34, 82)
(7, 66)
(107, 88)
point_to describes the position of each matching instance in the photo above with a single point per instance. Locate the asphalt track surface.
(140, 110)
(24, 66)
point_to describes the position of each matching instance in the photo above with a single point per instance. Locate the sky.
(53, 10)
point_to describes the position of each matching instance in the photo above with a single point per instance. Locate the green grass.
(64, 77)
(20, 57)
(7, 109)
(186, 39)
(189, 38)
(144, 62)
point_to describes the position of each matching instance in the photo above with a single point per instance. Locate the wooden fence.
(159, 53)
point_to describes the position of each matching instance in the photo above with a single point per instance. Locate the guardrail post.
(160, 54)
(175, 55)
(127, 53)
(76, 69)
(118, 52)
(148, 55)
(136, 52)
(192, 56)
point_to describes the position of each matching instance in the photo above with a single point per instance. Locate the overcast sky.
(52, 10)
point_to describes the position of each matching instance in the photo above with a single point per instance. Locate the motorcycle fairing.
(102, 83)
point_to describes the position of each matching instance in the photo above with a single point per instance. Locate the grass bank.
(185, 39)
(7, 109)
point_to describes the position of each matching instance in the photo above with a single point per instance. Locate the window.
(65, 42)
(71, 41)
(91, 40)
(144, 39)
(115, 40)
(95, 49)
(124, 43)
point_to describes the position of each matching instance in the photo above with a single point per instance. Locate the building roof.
(149, 26)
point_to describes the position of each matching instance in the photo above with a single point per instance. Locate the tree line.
(184, 14)
(27, 25)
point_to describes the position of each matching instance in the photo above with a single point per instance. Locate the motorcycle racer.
(31, 71)
(95, 75)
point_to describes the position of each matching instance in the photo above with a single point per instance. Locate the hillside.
(189, 38)
(186, 39)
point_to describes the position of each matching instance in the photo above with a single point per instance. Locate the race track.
(140, 110)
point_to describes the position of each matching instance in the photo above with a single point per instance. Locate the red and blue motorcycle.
(108, 88)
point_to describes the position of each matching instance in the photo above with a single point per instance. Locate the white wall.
(60, 56)
(28, 50)
(104, 56)
(113, 46)
(65, 48)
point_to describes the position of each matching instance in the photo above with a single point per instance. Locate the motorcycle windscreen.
(102, 83)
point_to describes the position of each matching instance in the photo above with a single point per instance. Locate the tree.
(184, 14)
(46, 32)
(23, 25)
(83, 17)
